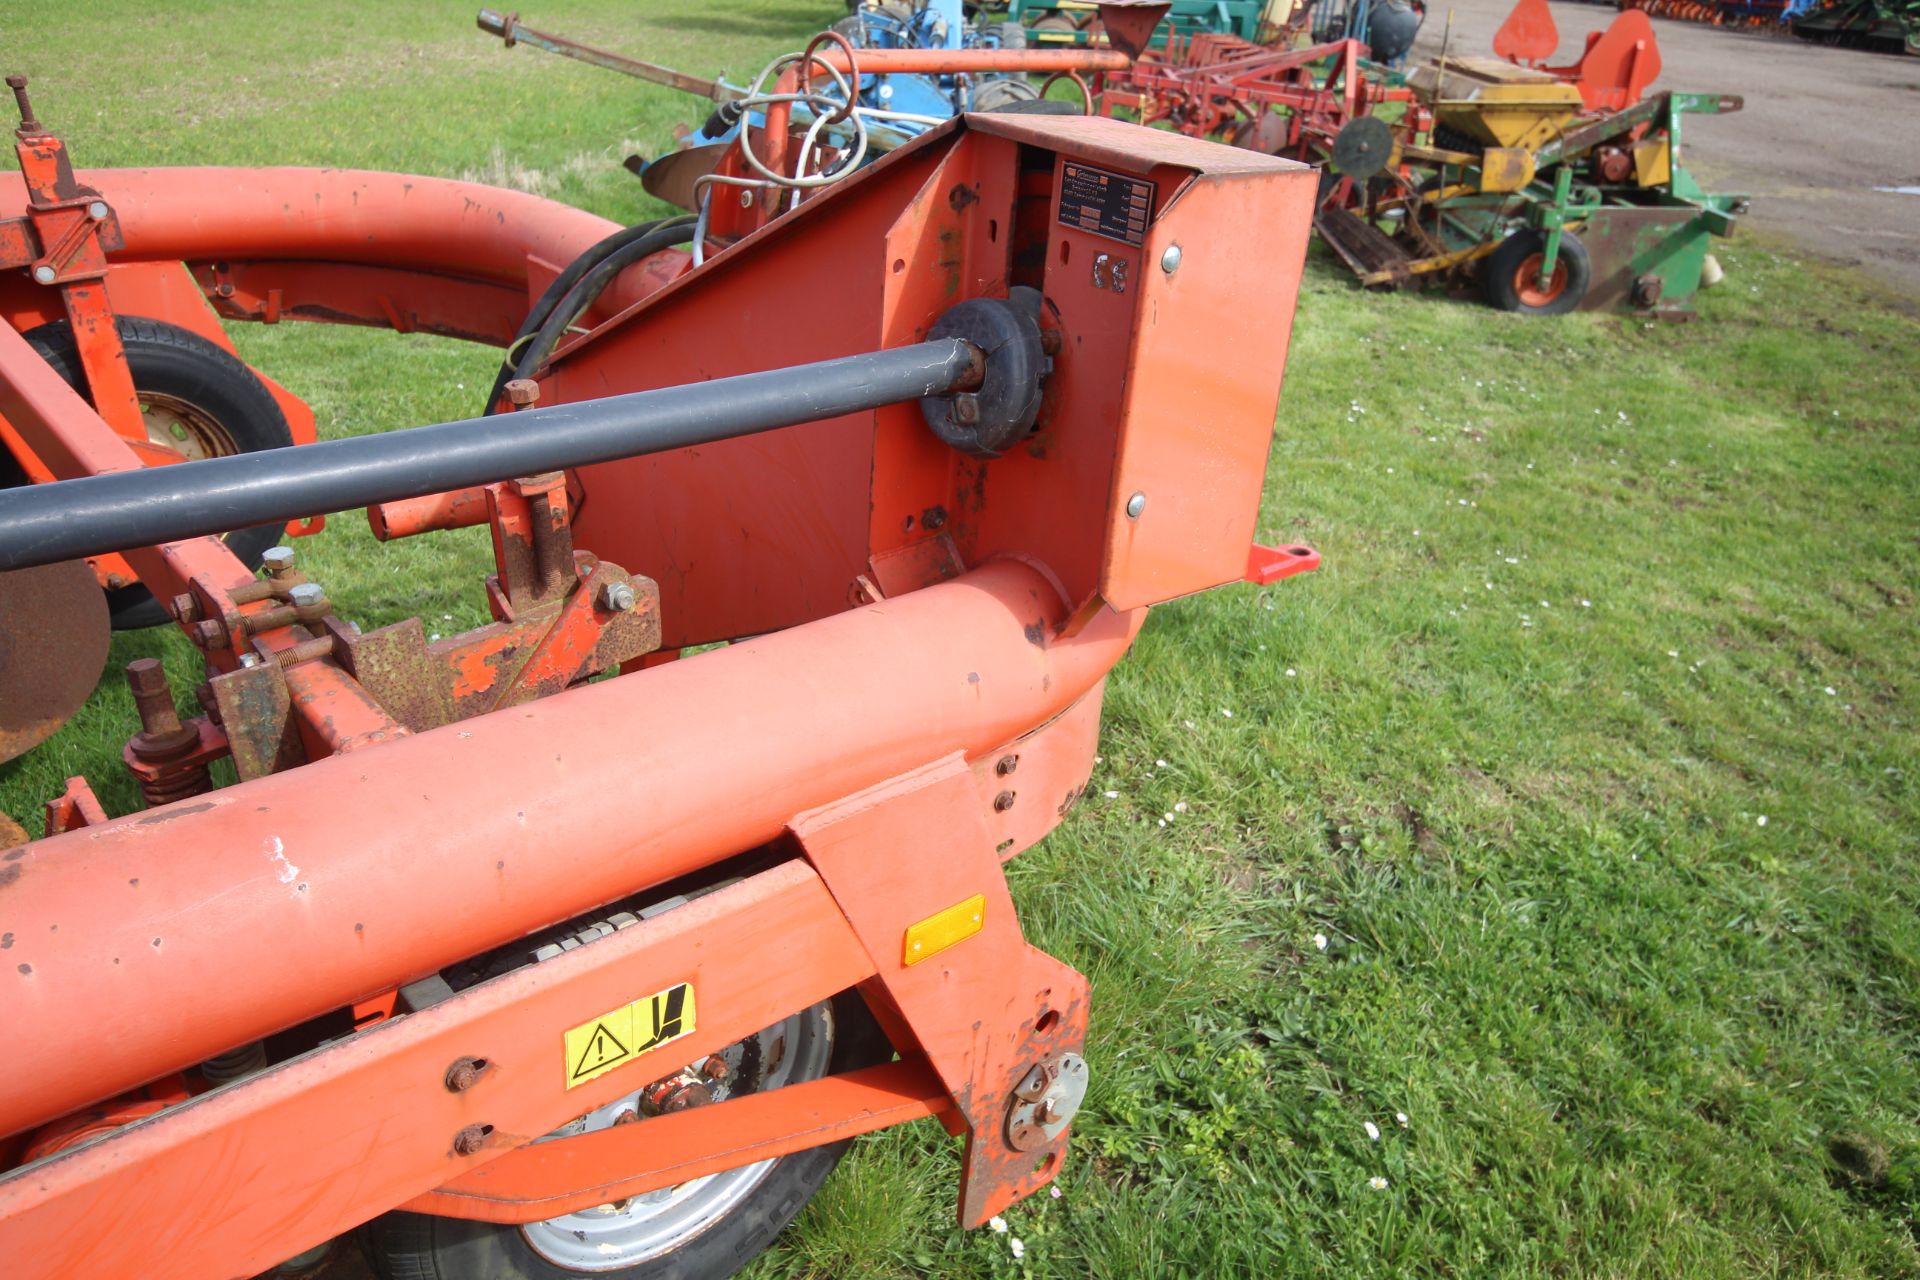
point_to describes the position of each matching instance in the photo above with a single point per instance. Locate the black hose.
(588, 290)
(562, 285)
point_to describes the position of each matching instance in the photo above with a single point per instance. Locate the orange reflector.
(939, 931)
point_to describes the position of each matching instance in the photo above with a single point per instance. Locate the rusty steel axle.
(45, 524)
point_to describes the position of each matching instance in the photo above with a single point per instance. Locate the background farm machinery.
(1555, 185)
(580, 957)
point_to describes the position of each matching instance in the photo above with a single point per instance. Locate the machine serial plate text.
(614, 1039)
(1107, 204)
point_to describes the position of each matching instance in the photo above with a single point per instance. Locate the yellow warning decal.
(614, 1039)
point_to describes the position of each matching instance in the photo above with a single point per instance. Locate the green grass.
(1599, 597)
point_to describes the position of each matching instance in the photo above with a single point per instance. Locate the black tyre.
(199, 401)
(747, 1213)
(1511, 275)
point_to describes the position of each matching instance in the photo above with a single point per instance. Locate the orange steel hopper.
(463, 899)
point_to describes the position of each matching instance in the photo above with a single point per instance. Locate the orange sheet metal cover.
(1209, 345)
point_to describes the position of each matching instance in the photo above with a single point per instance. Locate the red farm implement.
(541, 972)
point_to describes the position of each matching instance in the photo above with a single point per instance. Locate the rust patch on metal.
(155, 819)
(53, 644)
(10, 873)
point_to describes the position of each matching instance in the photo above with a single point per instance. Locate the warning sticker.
(616, 1038)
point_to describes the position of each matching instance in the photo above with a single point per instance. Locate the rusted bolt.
(1034, 1085)
(184, 607)
(115, 581)
(277, 559)
(152, 696)
(470, 1139)
(933, 518)
(966, 408)
(19, 86)
(618, 597)
(1050, 340)
(523, 393)
(208, 634)
(626, 1117)
(464, 1074)
(714, 1068)
(1003, 802)
(1006, 765)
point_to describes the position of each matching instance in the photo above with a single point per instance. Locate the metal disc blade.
(53, 644)
(1363, 147)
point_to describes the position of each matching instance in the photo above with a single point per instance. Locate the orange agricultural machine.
(542, 973)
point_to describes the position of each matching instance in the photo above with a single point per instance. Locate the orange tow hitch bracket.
(586, 894)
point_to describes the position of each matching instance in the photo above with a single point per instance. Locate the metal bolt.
(746, 199)
(714, 1068)
(464, 1074)
(1170, 260)
(184, 607)
(618, 597)
(1006, 765)
(1135, 505)
(98, 211)
(1047, 1112)
(115, 581)
(308, 595)
(44, 274)
(1003, 802)
(523, 393)
(209, 634)
(966, 408)
(277, 559)
(470, 1139)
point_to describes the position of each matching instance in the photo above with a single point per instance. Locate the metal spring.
(176, 784)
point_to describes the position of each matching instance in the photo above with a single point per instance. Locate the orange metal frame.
(920, 702)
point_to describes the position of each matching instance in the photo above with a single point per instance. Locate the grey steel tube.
(44, 524)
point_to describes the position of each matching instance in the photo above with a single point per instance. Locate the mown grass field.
(1562, 827)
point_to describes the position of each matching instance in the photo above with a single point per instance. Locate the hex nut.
(618, 597)
(277, 559)
(308, 595)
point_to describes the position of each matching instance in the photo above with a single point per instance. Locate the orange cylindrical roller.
(155, 941)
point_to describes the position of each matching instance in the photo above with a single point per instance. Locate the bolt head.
(1170, 260)
(184, 607)
(98, 211)
(746, 199)
(307, 595)
(618, 597)
(1135, 505)
(522, 392)
(277, 559)
(1003, 802)
(1006, 765)
(966, 408)
(45, 274)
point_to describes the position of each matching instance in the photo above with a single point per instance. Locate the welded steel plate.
(53, 644)
(672, 176)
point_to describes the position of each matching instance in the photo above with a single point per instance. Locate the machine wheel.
(1011, 35)
(1511, 276)
(709, 1227)
(199, 401)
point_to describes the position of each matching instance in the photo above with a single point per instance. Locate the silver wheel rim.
(628, 1232)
